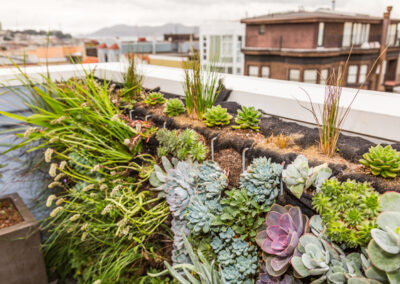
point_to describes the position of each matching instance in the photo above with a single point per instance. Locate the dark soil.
(231, 163)
(9, 215)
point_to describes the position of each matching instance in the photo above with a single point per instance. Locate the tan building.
(305, 46)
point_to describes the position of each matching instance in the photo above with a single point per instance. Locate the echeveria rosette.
(382, 161)
(284, 227)
(384, 248)
(265, 278)
(247, 118)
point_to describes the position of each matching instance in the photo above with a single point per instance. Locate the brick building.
(305, 46)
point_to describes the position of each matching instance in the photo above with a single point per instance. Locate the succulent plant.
(348, 210)
(382, 161)
(227, 235)
(247, 117)
(313, 256)
(198, 217)
(211, 181)
(217, 116)
(154, 99)
(284, 227)
(201, 271)
(217, 244)
(247, 265)
(261, 180)
(226, 257)
(230, 274)
(181, 144)
(384, 248)
(174, 107)
(265, 278)
(298, 176)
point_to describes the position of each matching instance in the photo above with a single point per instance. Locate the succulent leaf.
(217, 116)
(154, 99)
(174, 107)
(382, 161)
(247, 118)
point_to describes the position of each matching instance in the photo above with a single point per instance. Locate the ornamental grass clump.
(217, 116)
(154, 98)
(247, 118)
(132, 81)
(201, 86)
(174, 107)
(382, 161)
(348, 211)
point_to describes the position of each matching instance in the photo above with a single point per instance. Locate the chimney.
(333, 5)
(384, 33)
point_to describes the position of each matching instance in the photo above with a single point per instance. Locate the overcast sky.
(85, 16)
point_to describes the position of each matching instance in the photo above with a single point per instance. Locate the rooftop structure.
(306, 46)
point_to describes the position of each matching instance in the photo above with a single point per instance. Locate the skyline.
(92, 15)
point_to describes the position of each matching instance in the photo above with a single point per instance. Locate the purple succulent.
(264, 278)
(284, 227)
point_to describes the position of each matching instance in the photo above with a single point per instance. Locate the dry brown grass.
(281, 141)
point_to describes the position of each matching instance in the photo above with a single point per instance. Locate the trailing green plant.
(154, 99)
(247, 118)
(384, 248)
(298, 176)
(284, 227)
(348, 210)
(262, 180)
(174, 107)
(217, 116)
(200, 270)
(133, 81)
(382, 161)
(181, 144)
(201, 85)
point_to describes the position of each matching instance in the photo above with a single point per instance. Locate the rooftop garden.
(149, 187)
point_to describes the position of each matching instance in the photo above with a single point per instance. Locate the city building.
(305, 46)
(221, 43)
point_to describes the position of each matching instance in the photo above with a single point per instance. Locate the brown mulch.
(9, 215)
(231, 163)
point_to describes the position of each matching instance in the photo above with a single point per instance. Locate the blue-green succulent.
(262, 180)
(198, 217)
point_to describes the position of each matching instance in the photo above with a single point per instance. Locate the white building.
(222, 41)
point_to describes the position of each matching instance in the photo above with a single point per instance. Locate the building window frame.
(315, 75)
(254, 73)
(261, 29)
(291, 72)
(362, 73)
(352, 74)
(321, 33)
(266, 67)
(323, 75)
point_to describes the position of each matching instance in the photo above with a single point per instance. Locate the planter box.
(21, 260)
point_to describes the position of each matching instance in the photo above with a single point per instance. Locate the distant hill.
(139, 31)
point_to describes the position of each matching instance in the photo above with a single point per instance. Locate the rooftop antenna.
(333, 5)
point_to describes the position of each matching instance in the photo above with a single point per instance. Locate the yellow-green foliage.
(217, 116)
(382, 161)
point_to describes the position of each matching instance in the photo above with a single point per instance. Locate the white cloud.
(84, 16)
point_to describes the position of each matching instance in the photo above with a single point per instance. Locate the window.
(310, 76)
(347, 34)
(391, 37)
(265, 71)
(294, 75)
(323, 76)
(229, 70)
(253, 70)
(352, 74)
(215, 46)
(261, 30)
(356, 33)
(321, 28)
(204, 44)
(227, 50)
(363, 73)
(239, 38)
(239, 70)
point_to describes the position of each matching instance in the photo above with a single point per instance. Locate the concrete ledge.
(375, 114)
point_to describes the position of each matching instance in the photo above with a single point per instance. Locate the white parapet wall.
(374, 114)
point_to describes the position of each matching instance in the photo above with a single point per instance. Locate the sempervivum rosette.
(284, 227)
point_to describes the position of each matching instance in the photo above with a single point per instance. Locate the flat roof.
(312, 16)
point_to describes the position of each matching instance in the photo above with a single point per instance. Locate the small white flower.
(95, 168)
(98, 281)
(53, 170)
(47, 155)
(93, 195)
(125, 231)
(127, 141)
(59, 176)
(84, 235)
(75, 217)
(56, 211)
(103, 187)
(60, 201)
(50, 200)
(106, 209)
(84, 227)
(54, 140)
(55, 184)
(29, 131)
(115, 190)
(62, 165)
(88, 187)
